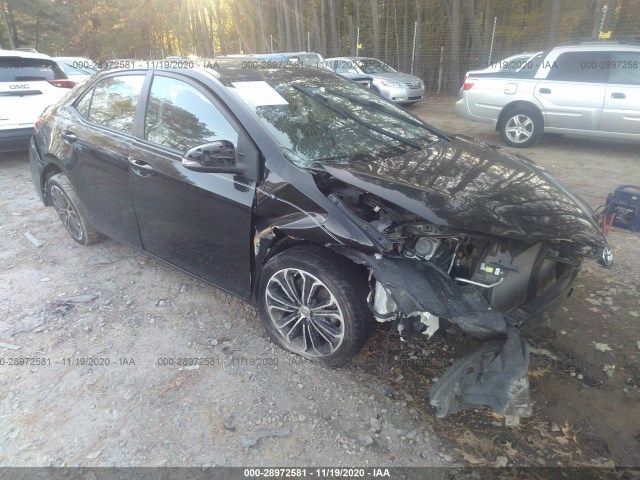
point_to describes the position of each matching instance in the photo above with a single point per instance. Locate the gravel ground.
(254, 404)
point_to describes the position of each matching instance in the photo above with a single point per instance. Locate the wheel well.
(285, 243)
(512, 106)
(49, 171)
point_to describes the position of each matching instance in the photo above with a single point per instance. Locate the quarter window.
(179, 116)
(588, 67)
(82, 106)
(114, 102)
(625, 68)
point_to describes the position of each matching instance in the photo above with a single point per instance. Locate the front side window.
(588, 67)
(179, 116)
(114, 102)
(625, 68)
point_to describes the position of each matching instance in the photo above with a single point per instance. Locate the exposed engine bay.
(484, 285)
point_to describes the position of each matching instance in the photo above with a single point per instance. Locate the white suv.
(590, 89)
(29, 82)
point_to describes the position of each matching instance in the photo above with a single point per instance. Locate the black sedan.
(325, 205)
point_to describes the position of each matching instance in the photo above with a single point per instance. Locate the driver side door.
(200, 222)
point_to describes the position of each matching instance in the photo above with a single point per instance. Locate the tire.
(521, 127)
(70, 210)
(331, 335)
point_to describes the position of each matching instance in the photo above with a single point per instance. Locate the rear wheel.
(70, 210)
(313, 303)
(521, 127)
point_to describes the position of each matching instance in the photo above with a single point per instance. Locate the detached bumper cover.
(496, 374)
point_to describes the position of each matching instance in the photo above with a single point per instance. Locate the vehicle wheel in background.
(521, 127)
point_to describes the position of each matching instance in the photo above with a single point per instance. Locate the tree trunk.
(405, 39)
(280, 14)
(396, 30)
(316, 28)
(298, 22)
(453, 13)
(596, 12)
(476, 39)
(287, 30)
(333, 23)
(487, 30)
(375, 21)
(222, 37)
(552, 22)
(352, 38)
(386, 32)
(263, 37)
(323, 27)
(417, 66)
(6, 25)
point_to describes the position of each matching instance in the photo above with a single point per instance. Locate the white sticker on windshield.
(258, 94)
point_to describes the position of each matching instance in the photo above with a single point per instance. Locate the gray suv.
(590, 89)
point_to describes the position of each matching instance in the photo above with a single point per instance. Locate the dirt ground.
(103, 329)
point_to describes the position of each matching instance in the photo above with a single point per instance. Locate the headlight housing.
(386, 83)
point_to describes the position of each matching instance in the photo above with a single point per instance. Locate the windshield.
(372, 65)
(323, 119)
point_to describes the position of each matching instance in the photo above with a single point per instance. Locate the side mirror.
(214, 157)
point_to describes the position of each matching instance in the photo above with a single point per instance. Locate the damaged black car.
(324, 204)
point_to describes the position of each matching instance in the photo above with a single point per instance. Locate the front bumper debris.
(495, 375)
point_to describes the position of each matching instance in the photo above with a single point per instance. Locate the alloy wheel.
(304, 312)
(67, 212)
(519, 128)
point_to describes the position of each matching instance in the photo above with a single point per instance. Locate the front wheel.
(521, 127)
(313, 303)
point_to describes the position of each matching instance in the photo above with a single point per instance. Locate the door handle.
(140, 165)
(68, 137)
(618, 95)
(545, 90)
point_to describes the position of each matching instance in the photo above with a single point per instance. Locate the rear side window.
(114, 101)
(588, 67)
(625, 68)
(15, 69)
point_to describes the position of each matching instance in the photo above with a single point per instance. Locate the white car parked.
(29, 82)
(590, 89)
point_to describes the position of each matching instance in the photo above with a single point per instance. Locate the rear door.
(621, 112)
(199, 222)
(572, 94)
(25, 90)
(97, 147)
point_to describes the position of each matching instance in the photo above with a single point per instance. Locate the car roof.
(71, 58)
(224, 68)
(21, 54)
(353, 58)
(599, 46)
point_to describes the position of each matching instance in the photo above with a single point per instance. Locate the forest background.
(437, 40)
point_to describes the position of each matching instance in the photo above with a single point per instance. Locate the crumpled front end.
(417, 296)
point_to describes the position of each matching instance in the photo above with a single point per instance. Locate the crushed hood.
(471, 185)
